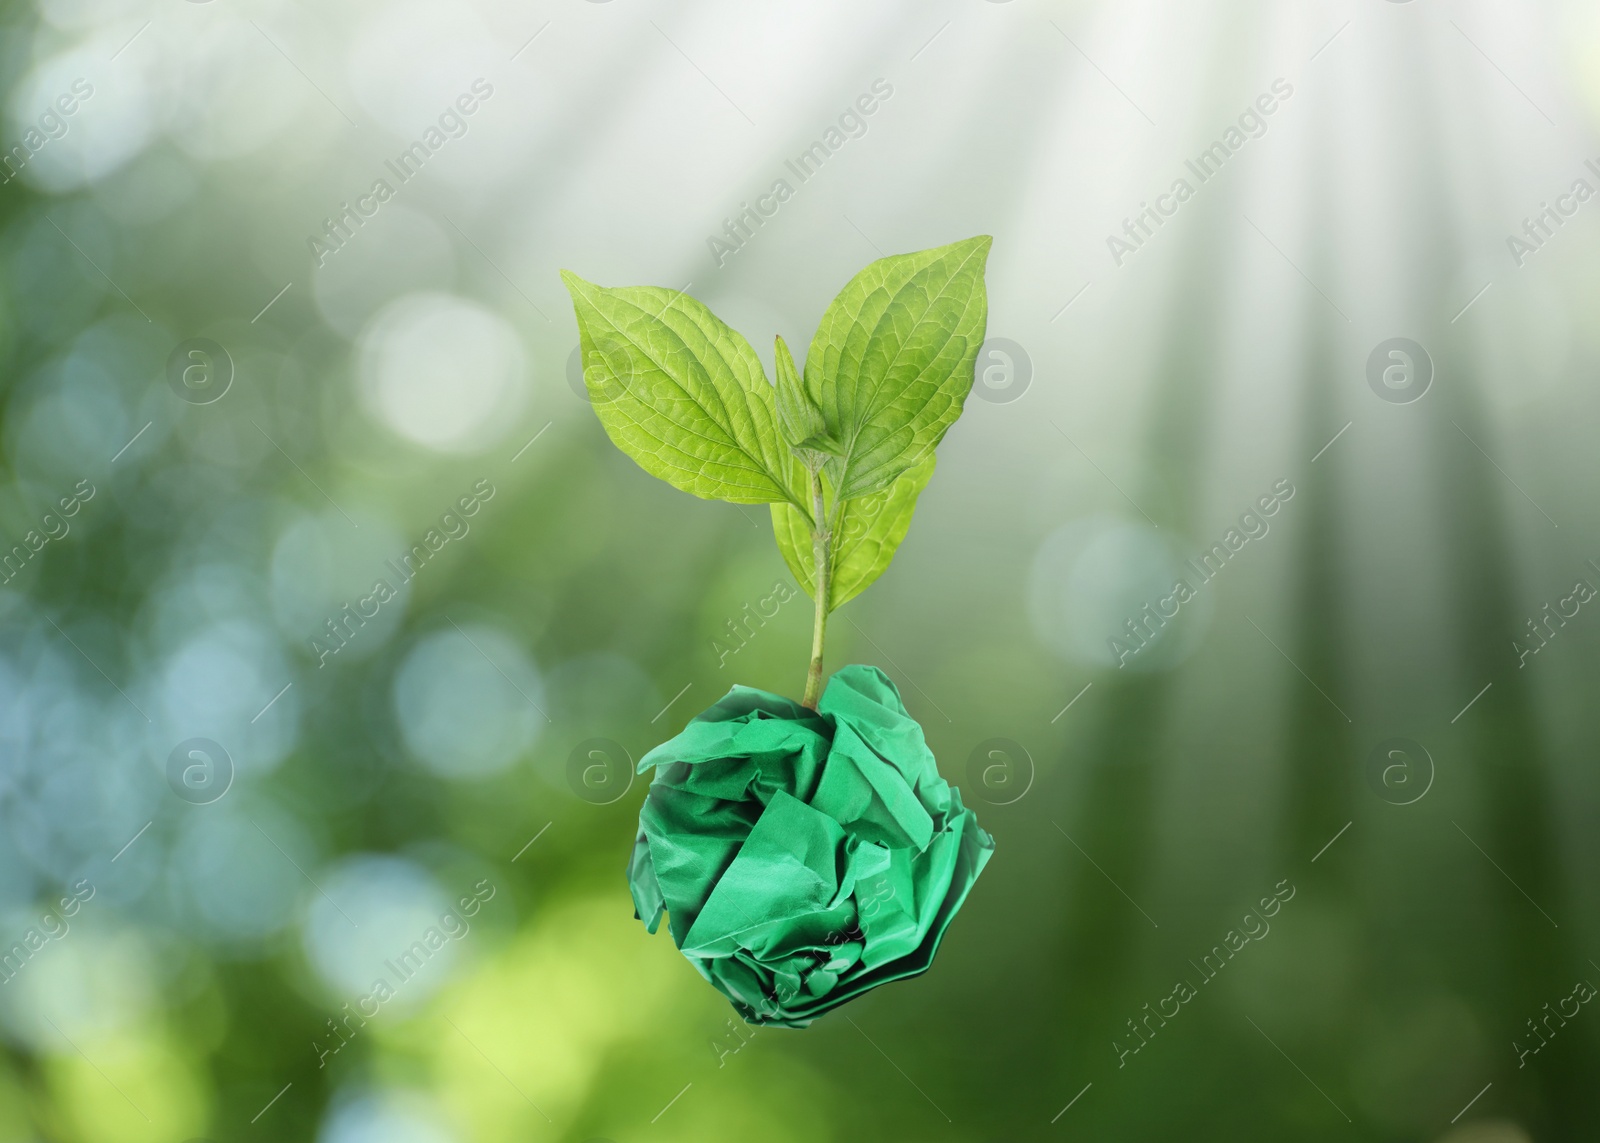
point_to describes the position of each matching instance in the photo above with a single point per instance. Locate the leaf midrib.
(864, 422)
(724, 425)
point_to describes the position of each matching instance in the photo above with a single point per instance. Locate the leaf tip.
(781, 357)
(574, 284)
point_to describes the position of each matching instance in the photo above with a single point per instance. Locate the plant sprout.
(840, 452)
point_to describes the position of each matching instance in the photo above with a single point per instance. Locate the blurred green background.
(228, 415)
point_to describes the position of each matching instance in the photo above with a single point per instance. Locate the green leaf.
(892, 362)
(799, 419)
(792, 530)
(870, 530)
(683, 394)
(866, 535)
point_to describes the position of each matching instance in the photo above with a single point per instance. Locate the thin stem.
(820, 536)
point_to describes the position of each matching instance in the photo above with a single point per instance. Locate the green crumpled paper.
(803, 857)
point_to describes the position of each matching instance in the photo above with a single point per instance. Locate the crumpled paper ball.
(803, 857)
